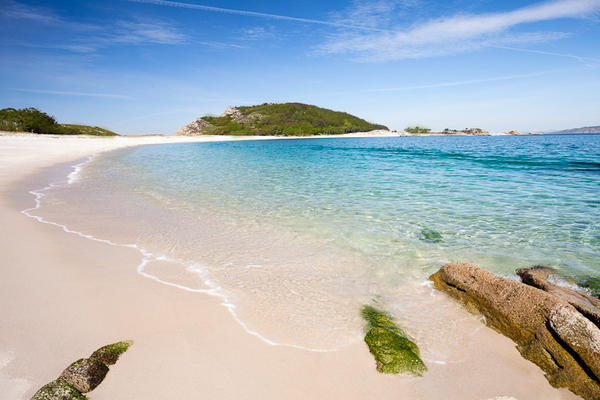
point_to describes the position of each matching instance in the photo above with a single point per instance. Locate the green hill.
(287, 119)
(35, 121)
(89, 130)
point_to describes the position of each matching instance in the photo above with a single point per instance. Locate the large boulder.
(85, 374)
(539, 276)
(547, 329)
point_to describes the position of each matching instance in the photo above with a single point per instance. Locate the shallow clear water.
(299, 233)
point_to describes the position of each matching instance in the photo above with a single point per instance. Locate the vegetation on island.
(35, 121)
(287, 119)
(88, 130)
(417, 129)
(393, 351)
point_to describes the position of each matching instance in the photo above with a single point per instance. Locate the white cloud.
(456, 33)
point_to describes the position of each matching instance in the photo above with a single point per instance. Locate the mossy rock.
(85, 374)
(393, 351)
(58, 390)
(109, 354)
(429, 235)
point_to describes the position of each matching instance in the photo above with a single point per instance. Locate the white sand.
(63, 296)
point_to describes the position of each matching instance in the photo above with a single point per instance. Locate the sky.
(152, 66)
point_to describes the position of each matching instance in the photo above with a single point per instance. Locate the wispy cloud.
(12, 9)
(339, 24)
(88, 37)
(465, 82)
(145, 32)
(456, 33)
(256, 33)
(63, 93)
(583, 60)
(374, 13)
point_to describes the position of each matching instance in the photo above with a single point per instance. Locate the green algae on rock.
(58, 390)
(429, 235)
(109, 354)
(392, 350)
(591, 283)
(83, 375)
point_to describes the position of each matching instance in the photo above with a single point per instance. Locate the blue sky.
(151, 66)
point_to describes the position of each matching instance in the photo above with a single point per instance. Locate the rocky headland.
(555, 327)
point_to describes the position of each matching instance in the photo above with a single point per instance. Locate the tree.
(417, 129)
(29, 120)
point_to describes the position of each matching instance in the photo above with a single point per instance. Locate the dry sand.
(62, 296)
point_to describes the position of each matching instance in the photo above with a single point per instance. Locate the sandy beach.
(62, 296)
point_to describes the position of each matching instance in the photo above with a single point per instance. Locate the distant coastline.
(585, 129)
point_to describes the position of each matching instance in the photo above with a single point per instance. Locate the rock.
(85, 374)
(58, 390)
(194, 128)
(579, 334)
(539, 276)
(430, 235)
(236, 115)
(547, 329)
(394, 353)
(108, 355)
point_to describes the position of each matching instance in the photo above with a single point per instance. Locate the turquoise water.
(518, 200)
(310, 223)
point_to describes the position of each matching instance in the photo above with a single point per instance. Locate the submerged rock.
(592, 283)
(391, 348)
(539, 276)
(58, 390)
(547, 329)
(109, 355)
(430, 235)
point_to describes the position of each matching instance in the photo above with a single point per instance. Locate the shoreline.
(146, 257)
(201, 344)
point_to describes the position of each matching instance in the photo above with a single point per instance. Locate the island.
(283, 119)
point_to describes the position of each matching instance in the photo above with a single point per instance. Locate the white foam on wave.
(148, 257)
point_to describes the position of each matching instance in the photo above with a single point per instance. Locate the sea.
(296, 235)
